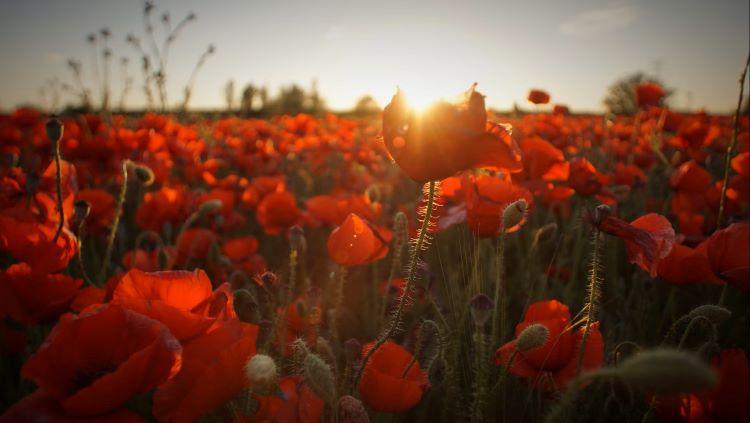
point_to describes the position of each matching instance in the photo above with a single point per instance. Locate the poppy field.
(450, 264)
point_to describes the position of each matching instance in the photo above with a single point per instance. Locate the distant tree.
(229, 95)
(620, 98)
(248, 98)
(366, 105)
(315, 104)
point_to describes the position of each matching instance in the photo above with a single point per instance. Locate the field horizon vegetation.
(428, 259)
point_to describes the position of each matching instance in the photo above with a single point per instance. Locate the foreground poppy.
(40, 407)
(297, 403)
(356, 242)
(27, 239)
(447, 138)
(211, 375)
(386, 385)
(648, 239)
(727, 254)
(182, 300)
(30, 297)
(91, 364)
(553, 365)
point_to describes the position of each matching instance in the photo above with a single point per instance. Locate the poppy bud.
(297, 238)
(54, 129)
(429, 343)
(245, 305)
(545, 233)
(534, 336)
(716, 314)
(267, 279)
(352, 350)
(210, 206)
(708, 350)
(514, 213)
(601, 212)
(665, 372)
(481, 309)
(351, 410)
(320, 377)
(82, 209)
(262, 373)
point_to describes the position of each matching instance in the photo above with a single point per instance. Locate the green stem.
(499, 309)
(115, 222)
(58, 186)
(593, 291)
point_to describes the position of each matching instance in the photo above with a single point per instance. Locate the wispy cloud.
(600, 20)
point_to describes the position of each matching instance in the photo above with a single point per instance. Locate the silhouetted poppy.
(538, 96)
(40, 407)
(31, 297)
(553, 365)
(182, 300)
(648, 239)
(447, 138)
(386, 384)
(212, 372)
(94, 362)
(648, 94)
(356, 242)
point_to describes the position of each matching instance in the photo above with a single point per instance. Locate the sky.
(573, 49)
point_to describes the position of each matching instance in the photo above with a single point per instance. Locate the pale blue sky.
(573, 49)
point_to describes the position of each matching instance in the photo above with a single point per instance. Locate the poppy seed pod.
(666, 371)
(144, 174)
(601, 212)
(481, 309)
(545, 233)
(210, 206)
(351, 410)
(514, 213)
(319, 377)
(262, 373)
(716, 314)
(82, 209)
(534, 336)
(352, 351)
(54, 129)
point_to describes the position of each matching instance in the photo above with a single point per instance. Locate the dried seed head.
(351, 410)
(481, 309)
(534, 336)
(716, 314)
(262, 373)
(210, 206)
(144, 175)
(54, 129)
(666, 371)
(545, 233)
(514, 213)
(82, 209)
(320, 377)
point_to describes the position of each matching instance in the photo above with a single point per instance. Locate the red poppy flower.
(102, 207)
(727, 252)
(553, 365)
(332, 210)
(148, 261)
(356, 242)
(182, 300)
(87, 297)
(167, 205)
(648, 94)
(685, 265)
(384, 386)
(543, 161)
(447, 138)
(300, 320)
(277, 211)
(194, 245)
(561, 109)
(94, 362)
(298, 403)
(584, 178)
(46, 194)
(538, 97)
(31, 297)
(648, 239)
(40, 407)
(729, 401)
(486, 198)
(31, 241)
(211, 375)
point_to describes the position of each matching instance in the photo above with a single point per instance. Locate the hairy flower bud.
(210, 206)
(320, 377)
(716, 314)
(262, 373)
(82, 209)
(54, 129)
(481, 309)
(144, 175)
(351, 410)
(666, 371)
(514, 213)
(534, 336)
(545, 233)
(601, 212)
